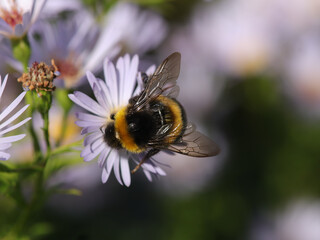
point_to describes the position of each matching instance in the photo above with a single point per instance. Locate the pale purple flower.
(16, 16)
(234, 37)
(300, 220)
(301, 74)
(73, 44)
(54, 7)
(140, 30)
(78, 44)
(9, 116)
(121, 83)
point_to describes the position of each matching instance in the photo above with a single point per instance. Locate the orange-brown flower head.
(40, 77)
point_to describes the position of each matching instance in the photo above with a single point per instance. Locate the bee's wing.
(162, 82)
(195, 144)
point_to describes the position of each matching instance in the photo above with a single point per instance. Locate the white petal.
(148, 175)
(103, 156)
(105, 175)
(125, 171)
(11, 138)
(12, 106)
(111, 159)
(91, 148)
(89, 102)
(91, 138)
(5, 146)
(3, 84)
(111, 81)
(88, 124)
(4, 156)
(90, 117)
(147, 165)
(121, 67)
(14, 117)
(130, 80)
(107, 95)
(92, 155)
(91, 129)
(91, 78)
(82, 103)
(116, 169)
(101, 100)
(39, 4)
(15, 126)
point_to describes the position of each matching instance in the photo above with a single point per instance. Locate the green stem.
(45, 129)
(35, 141)
(63, 128)
(66, 148)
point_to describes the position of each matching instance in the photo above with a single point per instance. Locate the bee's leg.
(145, 158)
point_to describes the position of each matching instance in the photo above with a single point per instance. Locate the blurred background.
(250, 79)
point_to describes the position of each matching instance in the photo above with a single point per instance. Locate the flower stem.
(45, 129)
(63, 128)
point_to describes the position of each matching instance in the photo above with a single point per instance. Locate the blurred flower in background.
(302, 75)
(7, 60)
(17, 16)
(140, 30)
(234, 37)
(78, 44)
(70, 43)
(300, 220)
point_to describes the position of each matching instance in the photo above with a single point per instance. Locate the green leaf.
(40, 229)
(57, 163)
(71, 191)
(4, 168)
(64, 101)
(7, 169)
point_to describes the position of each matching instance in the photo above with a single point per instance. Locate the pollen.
(40, 77)
(12, 16)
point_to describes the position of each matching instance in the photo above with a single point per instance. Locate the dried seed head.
(40, 77)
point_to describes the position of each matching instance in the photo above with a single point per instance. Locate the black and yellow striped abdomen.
(176, 115)
(161, 123)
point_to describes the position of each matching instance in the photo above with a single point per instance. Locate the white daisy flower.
(5, 142)
(121, 83)
(16, 16)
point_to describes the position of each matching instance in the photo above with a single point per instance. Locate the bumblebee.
(154, 120)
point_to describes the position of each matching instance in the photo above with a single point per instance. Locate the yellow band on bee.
(121, 127)
(177, 116)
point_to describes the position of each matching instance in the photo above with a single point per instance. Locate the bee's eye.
(112, 116)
